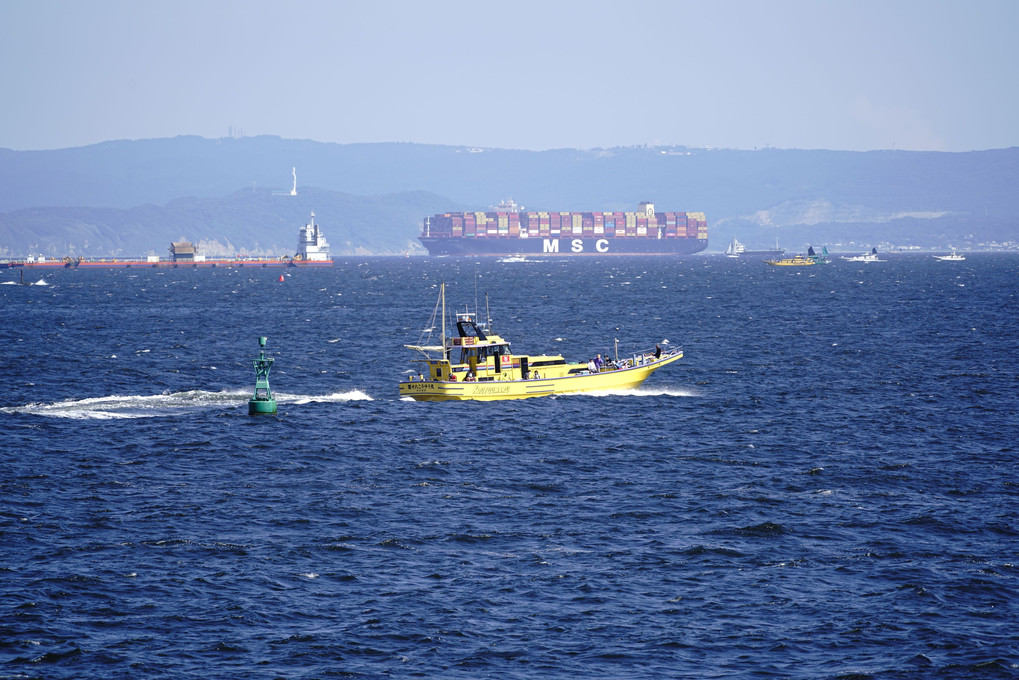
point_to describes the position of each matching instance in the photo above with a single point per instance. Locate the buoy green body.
(262, 401)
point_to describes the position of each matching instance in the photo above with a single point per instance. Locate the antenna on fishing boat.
(477, 310)
(488, 315)
(442, 291)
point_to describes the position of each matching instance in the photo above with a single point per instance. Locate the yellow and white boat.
(477, 364)
(811, 258)
(797, 261)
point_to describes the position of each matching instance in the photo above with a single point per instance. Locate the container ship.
(312, 251)
(509, 230)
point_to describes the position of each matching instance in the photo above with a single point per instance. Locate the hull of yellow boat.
(791, 263)
(492, 390)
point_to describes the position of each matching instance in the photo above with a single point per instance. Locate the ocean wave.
(131, 406)
(40, 282)
(636, 392)
(164, 405)
(352, 395)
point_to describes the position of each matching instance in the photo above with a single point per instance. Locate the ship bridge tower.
(647, 208)
(311, 244)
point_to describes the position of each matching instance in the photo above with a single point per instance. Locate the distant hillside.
(130, 194)
(245, 222)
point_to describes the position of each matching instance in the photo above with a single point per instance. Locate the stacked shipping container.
(567, 225)
(566, 233)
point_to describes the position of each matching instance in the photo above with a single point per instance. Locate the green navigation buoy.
(262, 402)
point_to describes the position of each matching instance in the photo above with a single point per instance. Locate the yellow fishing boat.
(476, 364)
(797, 261)
(811, 258)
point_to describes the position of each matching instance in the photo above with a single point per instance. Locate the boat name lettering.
(418, 386)
(492, 389)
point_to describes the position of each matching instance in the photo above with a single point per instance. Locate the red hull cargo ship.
(510, 230)
(312, 251)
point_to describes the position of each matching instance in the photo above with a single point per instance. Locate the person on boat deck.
(591, 367)
(535, 376)
(469, 377)
(598, 363)
(658, 351)
(452, 377)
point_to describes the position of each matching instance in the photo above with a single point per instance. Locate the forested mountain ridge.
(132, 197)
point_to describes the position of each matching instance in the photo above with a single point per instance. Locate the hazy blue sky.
(523, 74)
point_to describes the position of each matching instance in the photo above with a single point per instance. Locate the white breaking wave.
(132, 406)
(40, 282)
(353, 395)
(164, 405)
(635, 392)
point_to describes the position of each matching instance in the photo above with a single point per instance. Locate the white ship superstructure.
(311, 244)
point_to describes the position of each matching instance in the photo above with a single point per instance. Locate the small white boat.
(738, 251)
(735, 249)
(954, 257)
(866, 257)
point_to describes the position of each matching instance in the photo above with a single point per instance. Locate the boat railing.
(645, 357)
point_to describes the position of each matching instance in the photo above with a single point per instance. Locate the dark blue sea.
(824, 487)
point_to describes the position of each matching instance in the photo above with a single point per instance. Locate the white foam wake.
(40, 282)
(636, 392)
(163, 405)
(132, 406)
(353, 395)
